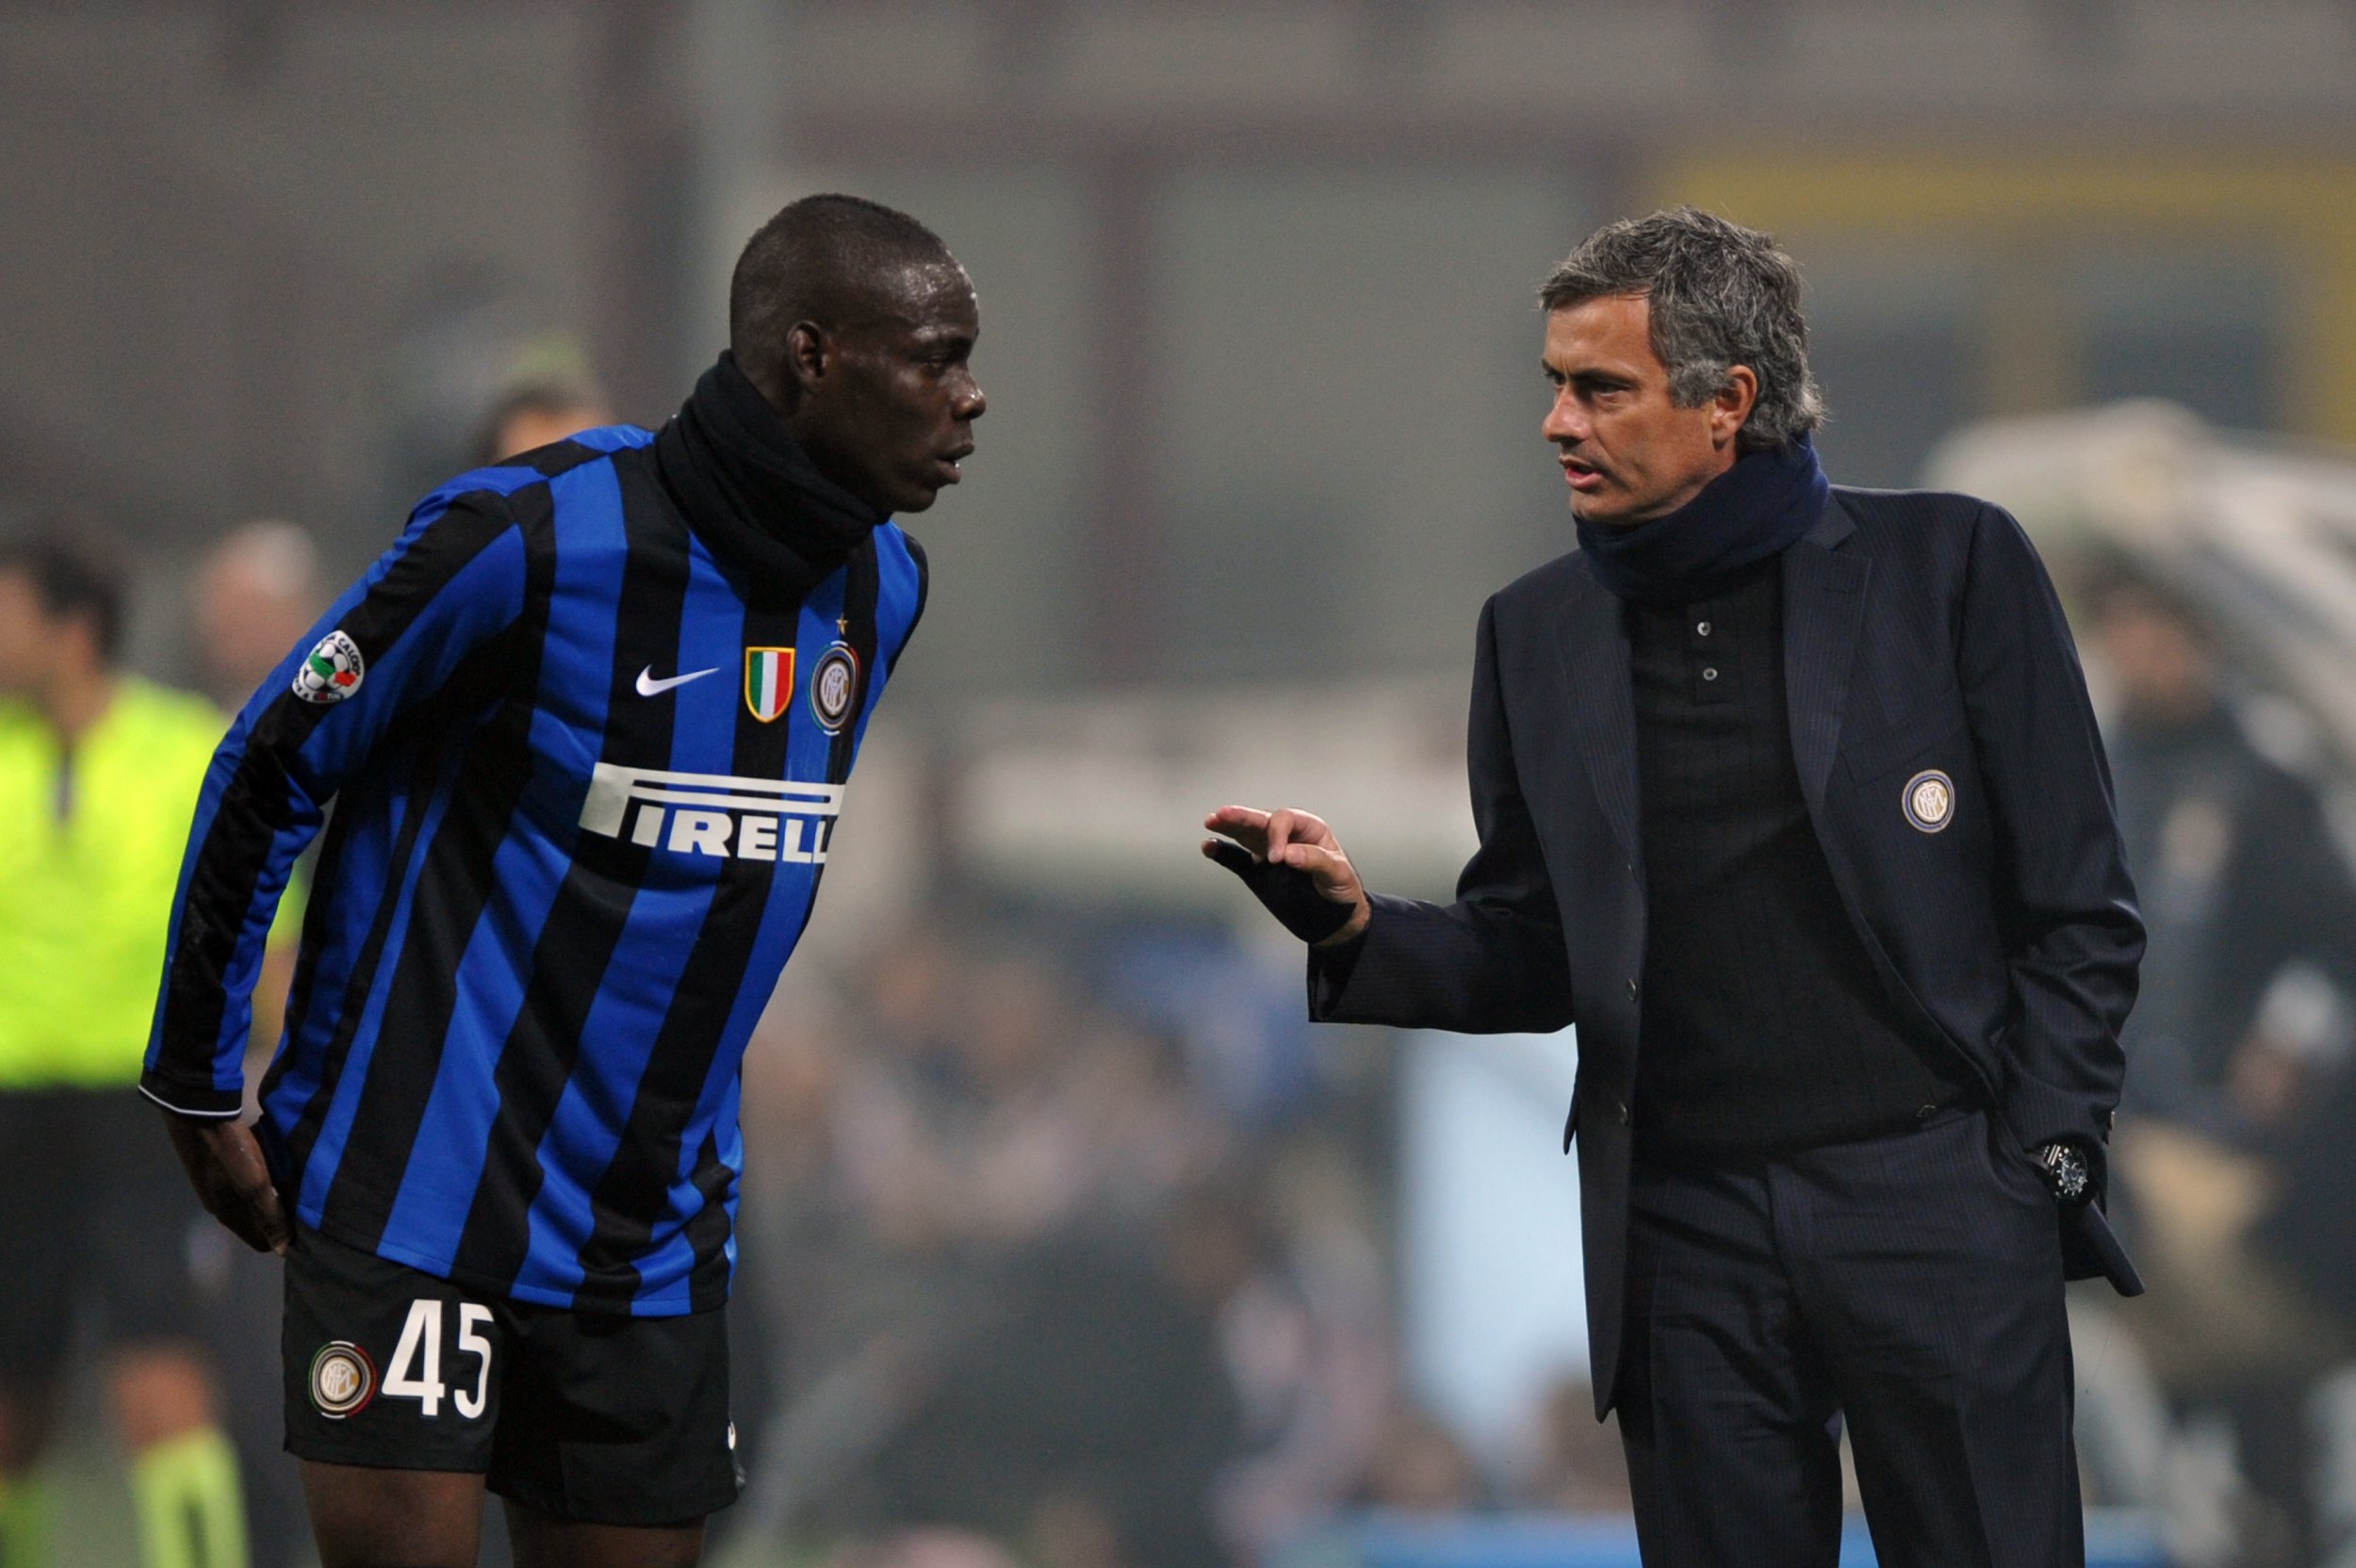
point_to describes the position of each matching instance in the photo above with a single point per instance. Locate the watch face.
(2066, 1172)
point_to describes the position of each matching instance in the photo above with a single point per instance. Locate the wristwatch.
(2064, 1165)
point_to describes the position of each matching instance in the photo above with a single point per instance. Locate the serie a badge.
(343, 1379)
(332, 671)
(834, 688)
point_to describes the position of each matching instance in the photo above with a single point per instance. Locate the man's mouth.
(949, 461)
(1583, 476)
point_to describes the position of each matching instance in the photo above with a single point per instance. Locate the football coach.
(1790, 798)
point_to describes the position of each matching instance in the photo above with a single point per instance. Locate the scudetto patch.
(332, 671)
(343, 1379)
(768, 681)
(1930, 800)
(834, 688)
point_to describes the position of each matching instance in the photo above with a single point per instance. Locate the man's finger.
(1247, 826)
(1289, 826)
(1333, 874)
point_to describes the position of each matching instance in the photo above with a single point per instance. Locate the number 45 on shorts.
(344, 1381)
(416, 1372)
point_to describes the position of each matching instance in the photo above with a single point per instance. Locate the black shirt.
(1764, 1025)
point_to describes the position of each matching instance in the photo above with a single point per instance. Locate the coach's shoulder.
(1541, 586)
(1877, 509)
(1938, 524)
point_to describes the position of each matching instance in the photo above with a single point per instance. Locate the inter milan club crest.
(768, 681)
(834, 688)
(332, 671)
(343, 1379)
(1930, 800)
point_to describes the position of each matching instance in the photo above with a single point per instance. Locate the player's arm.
(2068, 910)
(455, 579)
(1491, 962)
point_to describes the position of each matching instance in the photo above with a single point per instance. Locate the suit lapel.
(1593, 649)
(1823, 614)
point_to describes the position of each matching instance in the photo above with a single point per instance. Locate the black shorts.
(597, 1418)
(100, 1219)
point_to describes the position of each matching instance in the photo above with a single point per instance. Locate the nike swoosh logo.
(649, 687)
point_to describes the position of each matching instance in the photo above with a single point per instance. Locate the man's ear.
(1730, 409)
(809, 355)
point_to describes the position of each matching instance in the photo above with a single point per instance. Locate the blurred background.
(1065, 1242)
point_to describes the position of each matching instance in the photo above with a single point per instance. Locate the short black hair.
(71, 577)
(819, 259)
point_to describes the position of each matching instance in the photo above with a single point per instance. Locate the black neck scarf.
(750, 492)
(1754, 510)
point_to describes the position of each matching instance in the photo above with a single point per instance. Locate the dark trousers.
(1909, 1285)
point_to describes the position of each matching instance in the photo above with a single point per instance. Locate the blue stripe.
(569, 706)
(319, 1170)
(341, 915)
(625, 1022)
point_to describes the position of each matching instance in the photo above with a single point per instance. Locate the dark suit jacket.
(1919, 632)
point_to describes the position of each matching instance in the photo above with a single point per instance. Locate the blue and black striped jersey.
(586, 772)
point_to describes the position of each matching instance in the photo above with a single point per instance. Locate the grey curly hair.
(1721, 295)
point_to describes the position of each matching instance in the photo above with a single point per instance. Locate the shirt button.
(1701, 628)
(1926, 1113)
(1710, 672)
(1624, 1116)
(1632, 990)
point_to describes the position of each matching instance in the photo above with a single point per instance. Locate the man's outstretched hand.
(225, 1166)
(1293, 864)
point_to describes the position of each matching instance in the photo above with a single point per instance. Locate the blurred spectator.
(533, 413)
(2245, 893)
(1304, 1332)
(98, 777)
(257, 594)
(2239, 1035)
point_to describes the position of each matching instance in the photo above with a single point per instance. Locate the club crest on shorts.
(1930, 800)
(834, 688)
(332, 671)
(343, 1379)
(768, 681)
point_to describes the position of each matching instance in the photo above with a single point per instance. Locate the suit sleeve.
(1493, 961)
(2067, 911)
(452, 582)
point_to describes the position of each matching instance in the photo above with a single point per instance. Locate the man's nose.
(972, 404)
(1565, 420)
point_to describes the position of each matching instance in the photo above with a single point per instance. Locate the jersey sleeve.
(453, 582)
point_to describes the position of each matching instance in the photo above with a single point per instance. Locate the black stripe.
(553, 459)
(257, 804)
(862, 586)
(923, 596)
(592, 907)
(454, 885)
(634, 1194)
(423, 770)
(708, 1232)
(326, 871)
